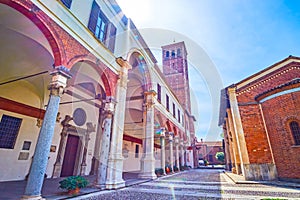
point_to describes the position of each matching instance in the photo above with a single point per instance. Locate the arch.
(287, 121)
(36, 16)
(140, 65)
(100, 68)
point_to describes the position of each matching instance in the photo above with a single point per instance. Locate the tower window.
(9, 129)
(294, 126)
(178, 115)
(173, 54)
(178, 52)
(167, 54)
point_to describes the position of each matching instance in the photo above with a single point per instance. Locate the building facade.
(80, 95)
(260, 119)
(207, 150)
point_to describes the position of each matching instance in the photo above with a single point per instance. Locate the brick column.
(115, 161)
(40, 158)
(148, 160)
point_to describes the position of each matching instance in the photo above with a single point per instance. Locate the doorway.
(70, 156)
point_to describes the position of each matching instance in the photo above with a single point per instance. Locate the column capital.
(109, 105)
(176, 139)
(231, 89)
(123, 63)
(60, 75)
(163, 132)
(171, 136)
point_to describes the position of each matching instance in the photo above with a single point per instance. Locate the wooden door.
(70, 156)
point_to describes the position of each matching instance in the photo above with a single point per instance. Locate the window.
(67, 3)
(174, 110)
(178, 52)
(158, 92)
(167, 102)
(9, 129)
(294, 126)
(167, 54)
(178, 115)
(102, 28)
(173, 54)
(136, 151)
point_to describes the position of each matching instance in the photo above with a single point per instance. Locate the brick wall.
(276, 112)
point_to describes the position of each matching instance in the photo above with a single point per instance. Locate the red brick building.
(260, 116)
(207, 150)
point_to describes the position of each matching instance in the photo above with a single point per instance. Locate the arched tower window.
(178, 52)
(173, 53)
(294, 126)
(167, 54)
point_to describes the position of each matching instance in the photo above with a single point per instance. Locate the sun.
(139, 11)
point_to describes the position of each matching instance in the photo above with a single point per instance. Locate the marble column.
(148, 160)
(40, 158)
(62, 147)
(171, 151)
(163, 151)
(114, 178)
(182, 152)
(177, 152)
(96, 156)
(105, 145)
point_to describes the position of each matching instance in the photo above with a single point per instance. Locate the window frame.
(295, 131)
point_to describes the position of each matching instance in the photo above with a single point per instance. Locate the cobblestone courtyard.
(199, 184)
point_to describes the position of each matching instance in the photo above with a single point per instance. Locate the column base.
(115, 185)
(147, 168)
(26, 197)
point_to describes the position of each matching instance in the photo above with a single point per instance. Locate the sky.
(227, 41)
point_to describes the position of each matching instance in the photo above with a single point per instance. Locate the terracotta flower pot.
(74, 192)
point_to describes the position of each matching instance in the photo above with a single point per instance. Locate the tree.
(220, 156)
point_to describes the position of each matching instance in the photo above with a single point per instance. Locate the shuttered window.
(67, 3)
(102, 28)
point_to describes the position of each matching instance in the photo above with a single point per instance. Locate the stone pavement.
(197, 184)
(190, 184)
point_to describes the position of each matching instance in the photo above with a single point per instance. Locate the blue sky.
(240, 37)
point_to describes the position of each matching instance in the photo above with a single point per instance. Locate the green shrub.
(73, 182)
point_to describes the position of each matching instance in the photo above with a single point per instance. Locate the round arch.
(37, 17)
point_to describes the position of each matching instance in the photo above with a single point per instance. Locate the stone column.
(90, 128)
(177, 152)
(171, 151)
(96, 156)
(237, 124)
(226, 142)
(105, 146)
(182, 152)
(40, 158)
(115, 161)
(62, 147)
(163, 151)
(185, 144)
(148, 160)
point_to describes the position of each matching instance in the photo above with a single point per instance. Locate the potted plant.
(73, 184)
(159, 171)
